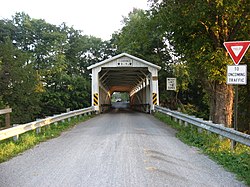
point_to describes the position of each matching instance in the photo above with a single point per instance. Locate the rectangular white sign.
(171, 84)
(125, 62)
(237, 74)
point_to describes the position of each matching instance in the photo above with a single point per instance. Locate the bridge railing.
(207, 125)
(20, 129)
(141, 107)
(6, 112)
(105, 107)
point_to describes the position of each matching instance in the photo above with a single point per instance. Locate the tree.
(197, 30)
(59, 54)
(18, 83)
(139, 37)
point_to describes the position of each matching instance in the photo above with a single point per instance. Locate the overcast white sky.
(99, 18)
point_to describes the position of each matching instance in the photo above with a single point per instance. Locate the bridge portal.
(125, 73)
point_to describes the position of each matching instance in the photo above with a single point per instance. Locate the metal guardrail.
(207, 125)
(20, 129)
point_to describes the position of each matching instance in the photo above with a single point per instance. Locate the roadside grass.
(218, 148)
(10, 148)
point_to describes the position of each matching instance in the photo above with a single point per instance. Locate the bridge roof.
(138, 60)
(123, 73)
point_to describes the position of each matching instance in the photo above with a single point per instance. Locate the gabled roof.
(124, 55)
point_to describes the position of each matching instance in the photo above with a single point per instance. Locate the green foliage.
(68, 92)
(236, 160)
(18, 82)
(124, 96)
(196, 30)
(143, 37)
(140, 38)
(9, 148)
(46, 66)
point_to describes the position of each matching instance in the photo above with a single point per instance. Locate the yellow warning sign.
(154, 98)
(95, 99)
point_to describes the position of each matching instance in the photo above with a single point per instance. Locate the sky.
(99, 18)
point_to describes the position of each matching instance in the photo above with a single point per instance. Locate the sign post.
(236, 75)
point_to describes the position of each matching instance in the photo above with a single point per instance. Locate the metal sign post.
(236, 107)
(236, 75)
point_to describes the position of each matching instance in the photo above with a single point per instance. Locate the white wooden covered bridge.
(125, 73)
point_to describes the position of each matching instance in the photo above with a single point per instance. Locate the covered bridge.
(125, 73)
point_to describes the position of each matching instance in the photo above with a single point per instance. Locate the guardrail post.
(186, 124)
(15, 138)
(68, 110)
(209, 132)
(200, 129)
(233, 143)
(55, 123)
(221, 137)
(38, 130)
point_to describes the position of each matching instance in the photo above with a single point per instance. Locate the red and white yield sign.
(237, 50)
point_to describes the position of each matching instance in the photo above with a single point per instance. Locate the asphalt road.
(118, 149)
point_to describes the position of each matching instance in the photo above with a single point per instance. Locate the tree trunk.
(221, 104)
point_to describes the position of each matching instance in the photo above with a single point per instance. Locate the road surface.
(117, 149)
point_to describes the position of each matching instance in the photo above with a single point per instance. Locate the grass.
(10, 148)
(218, 149)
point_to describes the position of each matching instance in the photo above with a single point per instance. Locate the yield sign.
(237, 50)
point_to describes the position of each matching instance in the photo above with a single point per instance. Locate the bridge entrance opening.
(120, 100)
(120, 97)
(125, 73)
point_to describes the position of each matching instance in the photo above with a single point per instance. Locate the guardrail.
(207, 125)
(20, 129)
